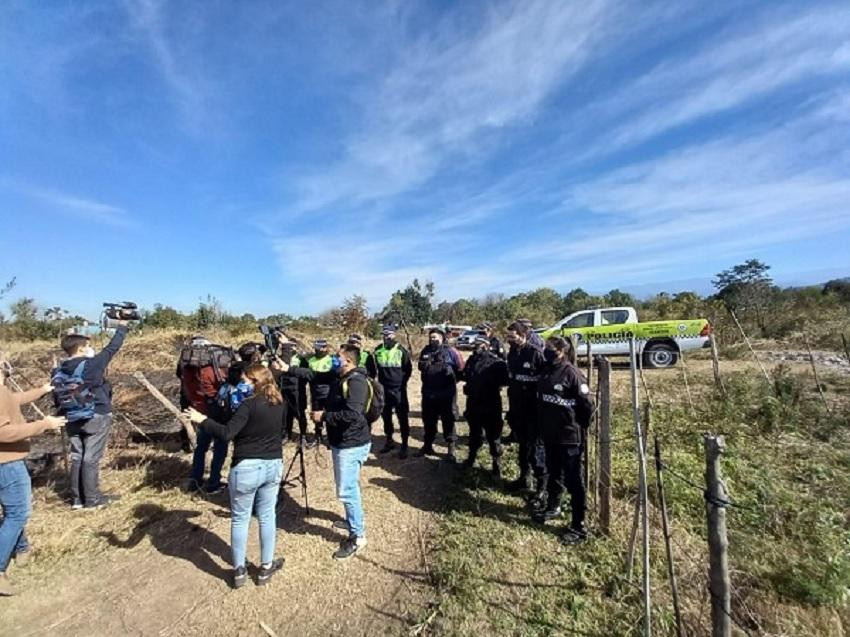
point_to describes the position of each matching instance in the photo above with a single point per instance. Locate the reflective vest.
(391, 357)
(295, 361)
(321, 365)
(364, 356)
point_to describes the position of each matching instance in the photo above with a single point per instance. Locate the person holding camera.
(256, 469)
(15, 485)
(294, 390)
(564, 410)
(89, 419)
(440, 366)
(350, 439)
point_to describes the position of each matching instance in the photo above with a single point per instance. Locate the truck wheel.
(659, 356)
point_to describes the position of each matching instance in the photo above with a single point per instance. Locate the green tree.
(577, 299)
(413, 304)
(746, 288)
(24, 310)
(354, 313)
(617, 298)
(164, 316)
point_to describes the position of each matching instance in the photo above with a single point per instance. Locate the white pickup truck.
(609, 330)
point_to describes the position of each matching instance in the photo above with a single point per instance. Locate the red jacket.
(200, 386)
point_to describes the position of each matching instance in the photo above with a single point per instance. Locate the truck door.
(610, 318)
(573, 328)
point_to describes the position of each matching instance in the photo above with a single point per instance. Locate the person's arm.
(355, 404)
(30, 395)
(16, 432)
(578, 387)
(406, 366)
(502, 373)
(96, 366)
(371, 365)
(236, 423)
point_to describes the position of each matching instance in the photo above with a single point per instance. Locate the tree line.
(765, 310)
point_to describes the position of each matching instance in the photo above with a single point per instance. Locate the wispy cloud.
(73, 205)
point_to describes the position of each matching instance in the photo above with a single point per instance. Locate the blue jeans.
(16, 498)
(199, 459)
(347, 464)
(254, 479)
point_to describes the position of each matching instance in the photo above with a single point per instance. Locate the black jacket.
(497, 348)
(345, 411)
(392, 377)
(524, 365)
(293, 387)
(563, 404)
(485, 374)
(256, 430)
(440, 367)
(95, 370)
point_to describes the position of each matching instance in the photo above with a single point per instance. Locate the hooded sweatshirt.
(94, 371)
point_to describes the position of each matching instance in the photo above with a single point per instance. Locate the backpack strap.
(78, 370)
(368, 384)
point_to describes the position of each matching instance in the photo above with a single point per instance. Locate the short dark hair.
(72, 342)
(519, 328)
(351, 353)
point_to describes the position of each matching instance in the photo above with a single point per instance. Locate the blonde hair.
(264, 384)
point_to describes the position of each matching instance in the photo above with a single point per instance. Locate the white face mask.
(88, 351)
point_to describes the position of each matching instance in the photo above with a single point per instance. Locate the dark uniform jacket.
(564, 406)
(393, 375)
(345, 413)
(440, 367)
(293, 388)
(524, 365)
(485, 374)
(497, 348)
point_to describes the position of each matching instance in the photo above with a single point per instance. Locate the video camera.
(277, 343)
(113, 313)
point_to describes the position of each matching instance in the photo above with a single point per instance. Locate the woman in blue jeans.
(256, 430)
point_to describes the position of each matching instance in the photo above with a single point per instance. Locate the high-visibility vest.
(364, 356)
(321, 365)
(389, 357)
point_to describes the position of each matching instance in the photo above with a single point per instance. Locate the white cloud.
(73, 205)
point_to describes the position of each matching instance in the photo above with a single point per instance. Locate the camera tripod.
(301, 477)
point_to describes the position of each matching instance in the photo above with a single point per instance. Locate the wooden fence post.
(715, 365)
(604, 474)
(665, 525)
(187, 425)
(715, 504)
(643, 496)
(846, 347)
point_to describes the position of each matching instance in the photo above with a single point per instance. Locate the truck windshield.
(585, 319)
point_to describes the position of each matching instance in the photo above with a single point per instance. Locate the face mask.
(337, 361)
(434, 342)
(389, 342)
(550, 355)
(88, 351)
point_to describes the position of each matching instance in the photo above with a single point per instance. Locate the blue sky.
(284, 155)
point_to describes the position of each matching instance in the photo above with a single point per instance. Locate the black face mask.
(550, 355)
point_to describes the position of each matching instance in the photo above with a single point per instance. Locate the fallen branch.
(187, 424)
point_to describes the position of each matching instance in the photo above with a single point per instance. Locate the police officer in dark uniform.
(533, 337)
(440, 366)
(485, 374)
(496, 346)
(394, 371)
(564, 410)
(367, 360)
(524, 365)
(323, 370)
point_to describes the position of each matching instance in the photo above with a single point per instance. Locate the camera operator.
(564, 411)
(350, 439)
(88, 431)
(15, 485)
(294, 390)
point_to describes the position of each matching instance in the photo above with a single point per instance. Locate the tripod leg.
(304, 485)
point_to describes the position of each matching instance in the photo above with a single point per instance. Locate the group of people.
(252, 400)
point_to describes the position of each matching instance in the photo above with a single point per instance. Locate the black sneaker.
(497, 469)
(468, 463)
(349, 547)
(402, 453)
(101, 502)
(240, 577)
(427, 450)
(341, 524)
(547, 514)
(388, 446)
(451, 454)
(573, 536)
(520, 484)
(266, 572)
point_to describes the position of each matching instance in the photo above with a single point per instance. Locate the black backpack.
(375, 404)
(199, 356)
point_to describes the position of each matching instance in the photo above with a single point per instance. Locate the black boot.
(497, 468)
(520, 484)
(426, 450)
(470, 459)
(388, 445)
(451, 454)
(539, 497)
(402, 453)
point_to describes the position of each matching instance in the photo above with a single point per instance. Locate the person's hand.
(279, 365)
(56, 422)
(194, 415)
(47, 387)
(317, 416)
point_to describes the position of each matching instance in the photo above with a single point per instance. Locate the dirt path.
(156, 562)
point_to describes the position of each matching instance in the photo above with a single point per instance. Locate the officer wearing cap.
(394, 371)
(440, 366)
(533, 337)
(485, 374)
(367, 361)
(323, 373)
(496, 346)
